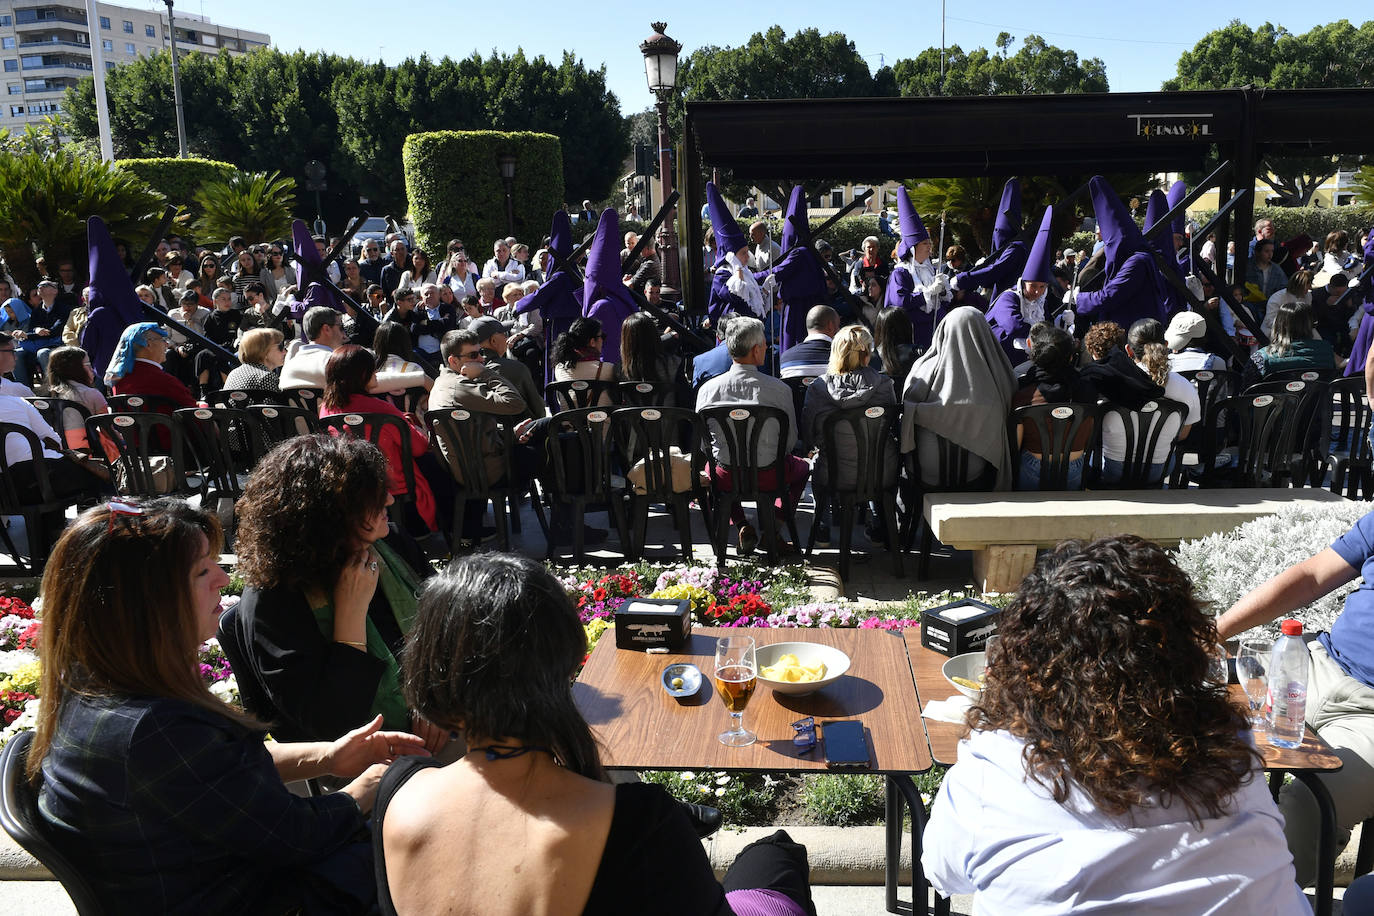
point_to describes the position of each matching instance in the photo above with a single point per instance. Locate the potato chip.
(790, 670)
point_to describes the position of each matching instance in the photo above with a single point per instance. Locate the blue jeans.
(1030, 473)
(1113, 469)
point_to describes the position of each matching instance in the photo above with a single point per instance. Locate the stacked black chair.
(1211, 385)
(1248, 441)
(463, 437)
(307, 399)
(1350, 460)
(579, 472)
(952, 475)
(578, 394)
(20, 817)
(739, 428)
(12, 502)
(871, 439)
(644, 438)
(149, 452)
(372, 426)
(1311, 426)
(1058, 426)
(1142, 430)
(222, 441)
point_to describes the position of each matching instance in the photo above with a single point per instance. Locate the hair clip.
(121, 509)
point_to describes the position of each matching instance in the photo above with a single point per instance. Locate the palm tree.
(1364, 186)
(255, 205)
(46, 194)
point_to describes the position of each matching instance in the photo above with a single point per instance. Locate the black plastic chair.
(12, 502)
(307, 399)
(952, 475)
(579, 394)
(276, 424)
(799, 384)
(244, 397)
(739, 428)
(648, 435)
(1058, 426)
(1142, 429)
(1254, 434)
(221, 439)
(407, 401)
(1350, 454)
(579, 471)
(1301, 375)
(371, 426)
(1211, 385)
(55, 411)
(645, 394)
(1311, 426)
(872, 440)
(149, 452)
(20, 817)
(141, 403)
(464, 438)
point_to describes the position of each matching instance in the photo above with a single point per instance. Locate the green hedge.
(455, 188)
(1315, 221)
(179, 179)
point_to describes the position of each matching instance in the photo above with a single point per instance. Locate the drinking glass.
(1252, 670)
(736, 676)
(1217, 670)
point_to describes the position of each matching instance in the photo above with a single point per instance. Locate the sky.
(1139, 54)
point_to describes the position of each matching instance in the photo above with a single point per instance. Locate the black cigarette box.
(959, 627)
(647, 623)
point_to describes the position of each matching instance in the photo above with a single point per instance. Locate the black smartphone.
(845, 745)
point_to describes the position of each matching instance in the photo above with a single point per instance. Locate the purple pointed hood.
(1154, 211)
(109, 277)
(113, 304)
(729, 236)
(560, 237)
(1120, 235)
(1177, 191)
(913, 230)
(796, 230)
(310, 270)
(1008, 214)
(1040, 261)
(1369, 247)
(604, 279)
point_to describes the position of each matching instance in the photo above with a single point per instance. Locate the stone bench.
(1004, 530)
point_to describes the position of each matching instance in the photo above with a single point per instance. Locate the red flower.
(29, 638)
(599, 595)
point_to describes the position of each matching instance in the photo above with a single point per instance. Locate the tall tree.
(270, 110)
(772, 65)
(1038, 67)
(1336, 55)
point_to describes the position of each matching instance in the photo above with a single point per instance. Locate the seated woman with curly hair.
(1104, 771)
(331, 589)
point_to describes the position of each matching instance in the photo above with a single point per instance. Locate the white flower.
(720, 793)
(687, 775)
(722, 779)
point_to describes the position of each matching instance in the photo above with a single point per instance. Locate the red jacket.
(149, 379)
(391, 447)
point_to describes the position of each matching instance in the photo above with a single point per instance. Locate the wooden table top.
(1312, 754)
(640, 727)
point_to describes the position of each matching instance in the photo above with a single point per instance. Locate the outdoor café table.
(640, 727)
(1304, 762)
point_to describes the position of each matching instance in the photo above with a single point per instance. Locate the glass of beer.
(736, 676)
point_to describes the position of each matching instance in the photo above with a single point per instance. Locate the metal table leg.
(1326, 842)
(900, 795)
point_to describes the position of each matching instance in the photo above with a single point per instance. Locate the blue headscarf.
(122, 363)
(21, 310)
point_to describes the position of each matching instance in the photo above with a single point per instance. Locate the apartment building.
(46, 47)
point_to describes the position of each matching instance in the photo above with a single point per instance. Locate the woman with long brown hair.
(1104, 770)
(168, 797)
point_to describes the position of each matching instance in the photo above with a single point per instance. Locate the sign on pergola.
(1016, 135)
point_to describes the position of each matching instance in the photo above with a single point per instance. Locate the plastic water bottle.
(1287, 703)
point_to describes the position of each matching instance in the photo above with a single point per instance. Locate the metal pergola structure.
(1015, 135)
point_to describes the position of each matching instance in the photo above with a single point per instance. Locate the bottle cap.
(1291, 627)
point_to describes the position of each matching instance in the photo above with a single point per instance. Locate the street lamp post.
(176, 83)
(506, 163)
(660, 67)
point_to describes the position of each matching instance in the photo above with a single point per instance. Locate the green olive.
(677, 683)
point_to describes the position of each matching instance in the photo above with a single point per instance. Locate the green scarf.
(401, 589)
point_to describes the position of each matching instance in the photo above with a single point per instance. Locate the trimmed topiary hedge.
(455, 187)
(179, 180)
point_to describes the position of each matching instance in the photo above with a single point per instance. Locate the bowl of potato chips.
(799, 668)
(967, 673)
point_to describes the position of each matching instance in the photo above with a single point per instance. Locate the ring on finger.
(372, 566)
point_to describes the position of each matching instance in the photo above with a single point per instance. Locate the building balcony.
(75, 67)
(30, 21)
(48, 90)
(34, 43)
